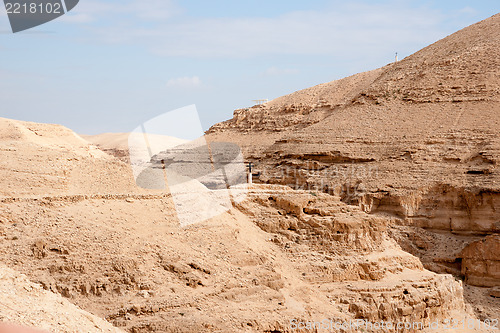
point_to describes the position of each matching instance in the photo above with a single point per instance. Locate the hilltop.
(378, 201)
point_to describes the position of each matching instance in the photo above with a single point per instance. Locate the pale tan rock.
(495, 292)
(391, 154)
(416, 141)
(27, 304)
(481, 262)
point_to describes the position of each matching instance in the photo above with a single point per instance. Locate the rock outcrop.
(481, 262)
(390, 173)
(26, 303)
(415, 141)
(280, 255)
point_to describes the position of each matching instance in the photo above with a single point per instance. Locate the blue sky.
(108, 66)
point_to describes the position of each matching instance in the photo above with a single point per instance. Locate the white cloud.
(184, 82)
(131, 12)
(76, 18)
(468, 11)
(275, 71)
(346, 30)
(152, 9)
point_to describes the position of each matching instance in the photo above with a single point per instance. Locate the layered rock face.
(280, 255)
(382, 187)
(416, 141)
(442, 207)
(481, 262)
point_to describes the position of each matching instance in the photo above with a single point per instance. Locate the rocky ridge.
(416, 141)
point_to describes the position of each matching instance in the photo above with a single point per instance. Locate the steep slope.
(417, 140)
(429, 120)
(26, 303)
(276, 256)
(461, 67)
(280, 255)
(301, 108)
(45, 159)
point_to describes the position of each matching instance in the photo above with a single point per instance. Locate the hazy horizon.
(108, 66)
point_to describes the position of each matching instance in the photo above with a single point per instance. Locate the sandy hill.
(25, 303)
(428, 120)
(44, 135)
(46, 159)
(461, 67)
(398, 186)
(119, 145)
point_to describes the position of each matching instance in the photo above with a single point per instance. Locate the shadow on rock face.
(216, 166)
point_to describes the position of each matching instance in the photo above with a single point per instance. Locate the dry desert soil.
(376, 198)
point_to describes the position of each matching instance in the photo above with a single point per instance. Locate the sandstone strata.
(383, 187)
(481, 262)
(415, 141)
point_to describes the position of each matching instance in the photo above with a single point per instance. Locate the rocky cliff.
(416, 140)
(392, 200)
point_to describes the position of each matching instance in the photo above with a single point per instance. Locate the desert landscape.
(375, 200)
